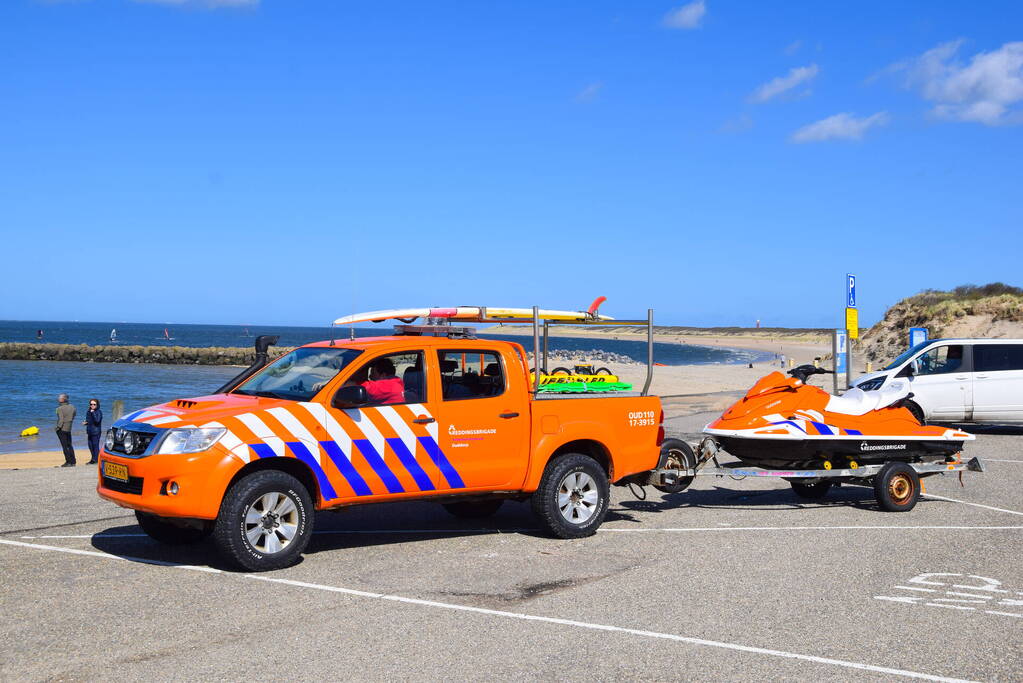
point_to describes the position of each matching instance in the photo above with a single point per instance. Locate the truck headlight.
(872, 384)
(190, 440)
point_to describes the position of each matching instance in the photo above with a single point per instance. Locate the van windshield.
(299, 375)
(906, 355)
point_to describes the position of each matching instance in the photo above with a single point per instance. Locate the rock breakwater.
(171, 355)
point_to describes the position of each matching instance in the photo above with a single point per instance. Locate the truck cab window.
(470, 374)
(394, 378)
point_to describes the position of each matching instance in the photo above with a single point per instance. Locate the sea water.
(28, 389)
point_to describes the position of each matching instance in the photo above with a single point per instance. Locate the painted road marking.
(987, 507)
(988, 585)
(511, 615)
(993, 460)
(602, 530)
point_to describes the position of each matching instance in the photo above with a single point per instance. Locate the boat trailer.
(896, 483)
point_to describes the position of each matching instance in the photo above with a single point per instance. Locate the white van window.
(940, 360)
(995, 357)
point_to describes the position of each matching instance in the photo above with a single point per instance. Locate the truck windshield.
(906, 355)
(299, 375)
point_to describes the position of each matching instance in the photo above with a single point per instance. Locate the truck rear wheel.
(573, 496)
(165, 531)
(265, 521)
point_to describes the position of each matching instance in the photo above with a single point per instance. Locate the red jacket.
(387, 390)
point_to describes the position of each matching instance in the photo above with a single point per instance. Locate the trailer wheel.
(676, 454)
(897, 487)
(265, 521)
(561, 371)
(162, 530)
(814, 491)
(474, 509)
(573, 496)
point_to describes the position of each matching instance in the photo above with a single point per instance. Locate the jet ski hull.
(809, 453)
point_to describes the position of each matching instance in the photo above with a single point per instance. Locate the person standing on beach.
(93, 428)
(65, 418)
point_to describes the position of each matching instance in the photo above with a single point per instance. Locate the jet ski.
(783, 422)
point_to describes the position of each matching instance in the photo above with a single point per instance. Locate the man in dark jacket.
(65, 418)
(94, 428)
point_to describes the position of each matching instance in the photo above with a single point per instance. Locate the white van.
(958, 380)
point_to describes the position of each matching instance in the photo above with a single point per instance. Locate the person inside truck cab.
(383, 386)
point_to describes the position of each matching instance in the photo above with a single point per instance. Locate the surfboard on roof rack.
(478, 314)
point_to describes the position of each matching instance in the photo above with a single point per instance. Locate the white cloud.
(777, 86)
(212, 4)
(839, 127)
(590, 92)
(988, 89)
(793, 47)
(686, 16)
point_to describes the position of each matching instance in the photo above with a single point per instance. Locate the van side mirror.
(906, 371)
(350, 397)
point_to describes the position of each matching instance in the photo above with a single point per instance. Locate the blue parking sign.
(850, 291)
(841, 351)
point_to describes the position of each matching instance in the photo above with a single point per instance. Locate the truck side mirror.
(350, 397)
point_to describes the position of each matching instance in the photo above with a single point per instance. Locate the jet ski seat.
(859, 402)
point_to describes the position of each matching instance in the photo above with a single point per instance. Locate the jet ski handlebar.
(803, 372)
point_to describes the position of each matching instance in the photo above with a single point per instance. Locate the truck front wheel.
(573, 496)
(265, 521)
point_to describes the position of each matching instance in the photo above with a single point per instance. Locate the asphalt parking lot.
(730, 580)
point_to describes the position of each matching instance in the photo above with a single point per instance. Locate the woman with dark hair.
(94, 428)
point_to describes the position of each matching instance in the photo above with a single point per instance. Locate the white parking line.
(999, 460)
(512, 615)
(987, 507)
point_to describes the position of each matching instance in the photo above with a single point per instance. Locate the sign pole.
(852, 325)
(834, 360)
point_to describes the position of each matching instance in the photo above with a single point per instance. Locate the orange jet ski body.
(782, 423)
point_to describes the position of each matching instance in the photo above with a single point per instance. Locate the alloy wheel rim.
(271, 522)
(578, 497)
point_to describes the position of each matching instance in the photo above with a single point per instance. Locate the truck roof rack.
(449, 331)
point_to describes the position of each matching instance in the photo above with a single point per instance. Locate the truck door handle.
(508, 415)
(423, 420)
(963, 377)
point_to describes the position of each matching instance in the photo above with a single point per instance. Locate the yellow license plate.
(115, 471)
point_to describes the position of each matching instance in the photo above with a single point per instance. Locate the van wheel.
(676, 454)
(917, 411)
(162, 530)
(897, 487)
(474, 509)
(811, 491)
(573, 496)
(265, 521)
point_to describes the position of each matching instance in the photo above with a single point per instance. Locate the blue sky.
(287, 162)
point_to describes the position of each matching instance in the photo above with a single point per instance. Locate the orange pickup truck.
(404, 417)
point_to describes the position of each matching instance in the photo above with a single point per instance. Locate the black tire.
(556, 478)
(676, 453)
(561, 371)
(897, 487)
(917, 411)
(814, 491)
(473, 509)
(602, 371)
(231, 529)
(165, 531)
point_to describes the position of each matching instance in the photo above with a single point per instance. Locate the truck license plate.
(115, 471)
